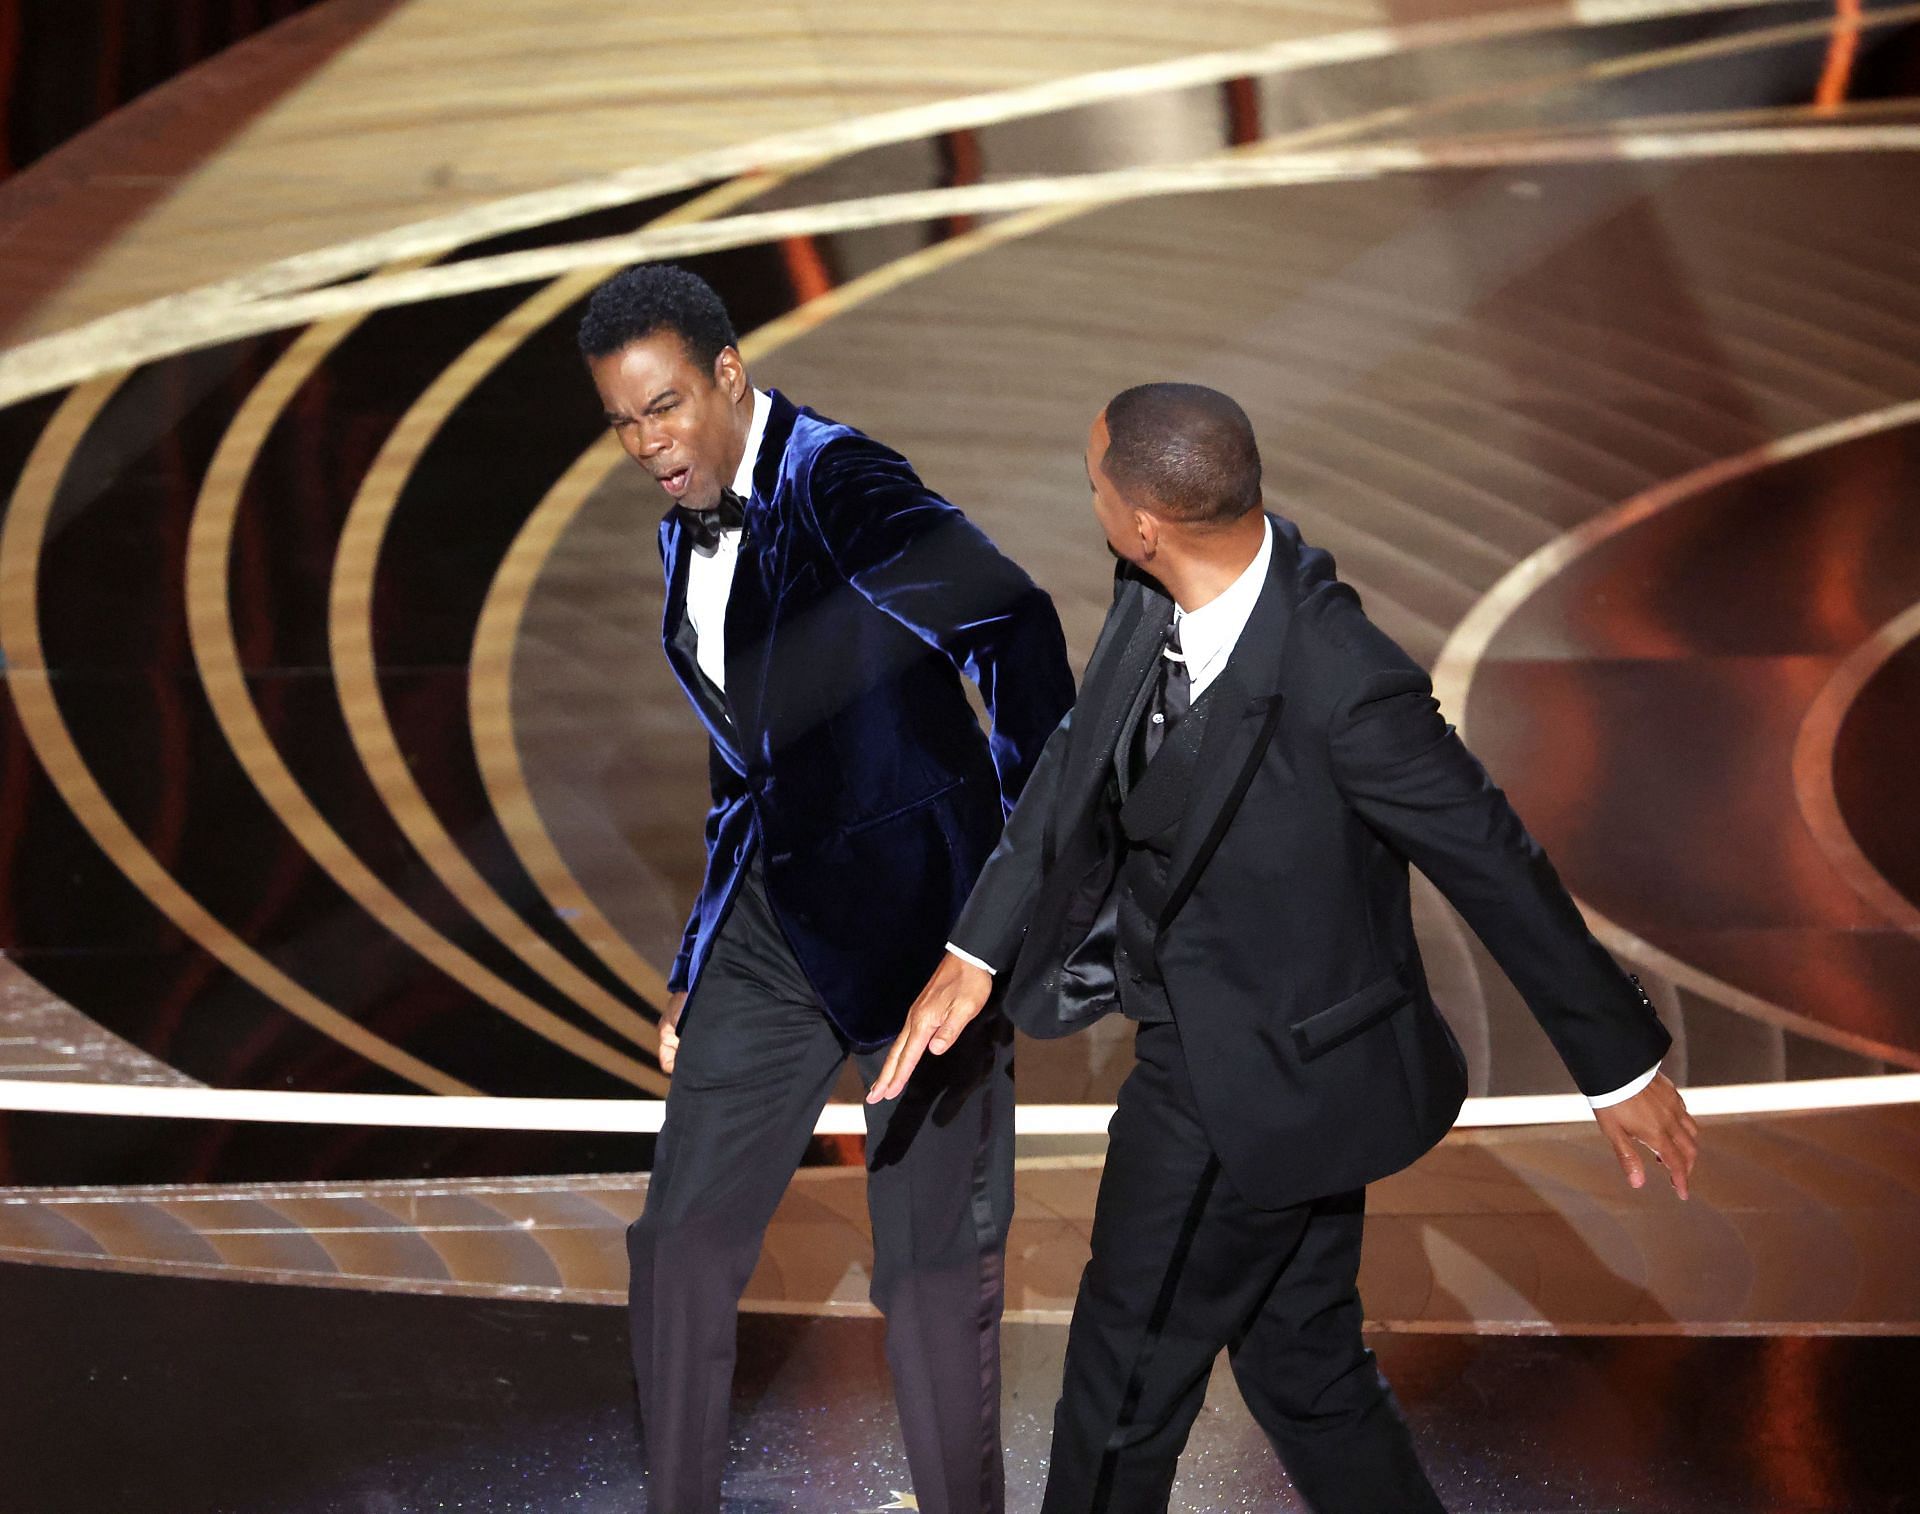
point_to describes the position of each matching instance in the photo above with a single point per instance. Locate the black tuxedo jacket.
(1318, 1059)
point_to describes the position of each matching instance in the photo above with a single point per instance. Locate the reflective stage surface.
(239, 1400)
(337, 753)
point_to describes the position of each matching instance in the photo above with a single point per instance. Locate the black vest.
(1150, 810)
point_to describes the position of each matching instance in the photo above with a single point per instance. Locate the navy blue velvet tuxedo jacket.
(844, 748)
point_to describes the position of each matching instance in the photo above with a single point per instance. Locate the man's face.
(1119, 521)
(684, 424)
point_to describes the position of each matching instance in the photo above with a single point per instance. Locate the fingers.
(1630, 1162)
(957, 1018)
(1680, 1171)
(1657, 1120)
(1676, 1141)
(669, 1047)
(1681, 1151)
(908, 1047)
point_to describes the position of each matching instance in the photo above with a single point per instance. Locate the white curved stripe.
(1460, 658)
(642, 1116)
(806, 147)
(1814, 753)
(43, 366)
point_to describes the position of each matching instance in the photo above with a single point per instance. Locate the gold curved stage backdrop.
(338, 752)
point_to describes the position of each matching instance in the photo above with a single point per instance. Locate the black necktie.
(1169, 702)
(706, 525)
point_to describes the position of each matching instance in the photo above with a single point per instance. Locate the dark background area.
(65, 64)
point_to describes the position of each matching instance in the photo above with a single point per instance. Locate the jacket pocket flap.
(1326, 1029)
(899, 811)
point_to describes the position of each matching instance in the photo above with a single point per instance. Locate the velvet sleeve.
(917, 558)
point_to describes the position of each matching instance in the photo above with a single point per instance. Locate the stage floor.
(185, 1396)
(337, 755)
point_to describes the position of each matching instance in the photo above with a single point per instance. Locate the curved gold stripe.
(350, 636)
(1813, 758)
(491, 682)
(352, 641)
(66, 357)
(492, 710)
(490, 705)
(490, 669)
(254, 303)
(52, 743)
(491, 690)
(1460, 658)
(1085, 191)
(210, 626)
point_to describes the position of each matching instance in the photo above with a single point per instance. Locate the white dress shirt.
(710, 574)
(1208, 636)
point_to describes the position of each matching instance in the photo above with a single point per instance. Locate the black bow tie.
(706, 525)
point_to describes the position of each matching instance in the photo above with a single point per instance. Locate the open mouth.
(675, 483)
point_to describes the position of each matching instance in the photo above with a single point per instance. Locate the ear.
(730, 373)
(1147, 528)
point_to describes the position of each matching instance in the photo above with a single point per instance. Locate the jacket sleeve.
(917, 558)
(727, 790)
(994, 921)
(994, 918)
(1406, 772)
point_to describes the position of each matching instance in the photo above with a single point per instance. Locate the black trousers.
(1182, 1266)
(758, 1058)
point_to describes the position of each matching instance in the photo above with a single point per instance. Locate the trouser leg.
(940, 1193)
(757, 1061)
(1181, 1267)
(1177, 1264)
(1314, 1387)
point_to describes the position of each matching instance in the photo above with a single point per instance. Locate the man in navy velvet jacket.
(821, 605)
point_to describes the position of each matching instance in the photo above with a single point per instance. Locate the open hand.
(1656, 1118)
(670, 1031)
(955, 993)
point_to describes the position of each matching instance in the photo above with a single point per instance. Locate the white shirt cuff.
(970, 957)
(1621, 1095)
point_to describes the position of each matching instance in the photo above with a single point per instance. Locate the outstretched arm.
(1410, 777)
(988, 932)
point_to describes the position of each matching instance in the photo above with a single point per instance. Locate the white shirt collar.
(756, 431)
(1209, 634)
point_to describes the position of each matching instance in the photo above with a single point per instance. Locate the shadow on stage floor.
(182, 1396)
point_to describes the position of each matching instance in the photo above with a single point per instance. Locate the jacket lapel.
(755, 591)
(1114, 680)
(1245, 709)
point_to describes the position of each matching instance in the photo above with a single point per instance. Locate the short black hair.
(1186, 449)
(636, 302)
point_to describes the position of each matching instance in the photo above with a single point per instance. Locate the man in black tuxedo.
(1216, 844)
(821, 606)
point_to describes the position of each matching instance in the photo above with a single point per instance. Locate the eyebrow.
(615, 417)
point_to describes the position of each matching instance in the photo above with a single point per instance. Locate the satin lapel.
(677, 633)
(1245, 705)
(1114, 680)
(751, 602)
